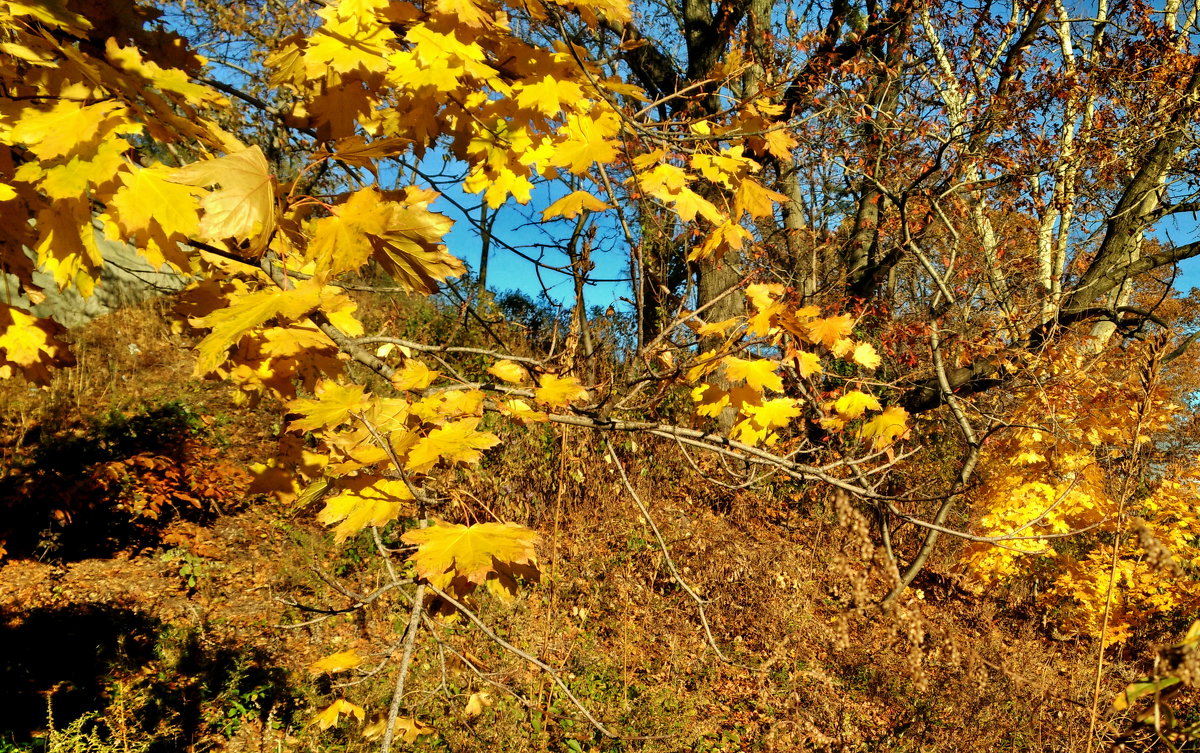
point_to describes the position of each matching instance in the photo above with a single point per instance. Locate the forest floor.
(146, 597)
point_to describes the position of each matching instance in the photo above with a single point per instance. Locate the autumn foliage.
(847, 288)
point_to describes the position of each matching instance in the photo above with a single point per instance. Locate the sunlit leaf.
(467, 556)
(332, 713)
(477, 703)
(509, 371)
(244, 205)
(364, 501)
(885, 428)
(456, 442)
(559, 391)
(854, 403)
(759, 373)
(339, 662)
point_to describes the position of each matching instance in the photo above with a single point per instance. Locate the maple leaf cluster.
(795, 342)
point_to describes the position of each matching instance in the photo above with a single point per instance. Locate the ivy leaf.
(459, 558)
(331, 714)
(559, 391)
(339, 662)
(455, 442)
(244, 206)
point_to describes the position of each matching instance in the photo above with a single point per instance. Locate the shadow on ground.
(159, 681)
(113, 486)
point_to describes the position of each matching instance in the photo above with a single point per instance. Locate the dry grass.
(789, 582)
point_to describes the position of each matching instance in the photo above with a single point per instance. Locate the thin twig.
(553, 673)
(662, 544)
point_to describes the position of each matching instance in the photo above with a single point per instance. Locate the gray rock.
(125, 279)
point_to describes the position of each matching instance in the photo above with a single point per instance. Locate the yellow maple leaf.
(29, 345)
(456, 442)
(148, 197)
(572, 204)
(67, 125)
(340, 242)
(522, 411)
(587, 142)
(559, 391)
(246, 312)
(414, 376)
(457, 403)
(550, 95)
(1029, 457)
(476, 704)
(829, 330)
(81, 173)
(854, 403)
(330, 407)
(773, 414)
(347, 44)
(865, 355)
(458, 557)
(244, 205)
(764, 295)
(688, 204)
(759, 373)
(725, 236)
(746, 432)
(717, 328)
(407, 729)
(887, 427)
(509, 371)
(842, 347)
(339, 662)
(780, 143)
(331, 714)
(613, 10)
(364, 501)
(808, 364)
(663, 182)
(465, 12)
(712, 400)
(756, 200)
(721, 168)
(404, 237)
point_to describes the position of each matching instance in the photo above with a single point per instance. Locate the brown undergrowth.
(170, 637)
